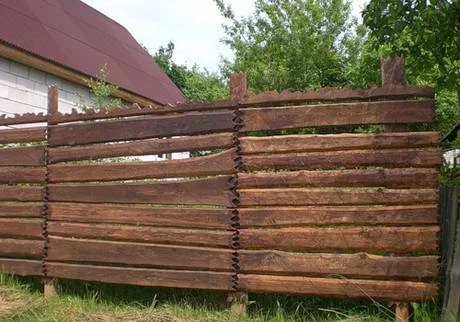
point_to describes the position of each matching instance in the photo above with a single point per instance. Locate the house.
(451, 155)
(66, 42)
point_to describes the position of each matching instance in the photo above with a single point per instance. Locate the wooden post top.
(238, 86)
(393, 71)
(53, 102)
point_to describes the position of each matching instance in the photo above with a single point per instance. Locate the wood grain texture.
(148, 234)
(429, 157)
(349, 288)
(21, 267)
(21, 193)
(13, 175)
(181, 257)
(140, 128)
(359, 265)
(367, 239)
(26, 156)
(219, 163)
(336, 196)
(141, 215)
(212, 191)
(22, 135)
(143, 276)
(31, 228)
(328, 142)
(20, 209)
(21, 248)
(143, 147)
(371, 177)
(327, 215)
(383, 112)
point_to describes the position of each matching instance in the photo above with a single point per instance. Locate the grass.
(21, 300)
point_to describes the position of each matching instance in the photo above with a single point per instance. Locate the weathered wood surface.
(140, 128)
(328, 142)
(352, 288)
(20, 209)
(367, 239)
(182, 257)
(22, 135)
(143, 276)
(13, 175)
(382, 112)
(21, 193)
(219, 163)
(22, 118)
(212, 191)
(22, 267)
(359, 265)
(25, 156)
(335, 196)
(148, 234)
(21, 227)
(21, 248)
(429, 157)
(326, 215)
(371, 177)
(140, 215)
(143, 147)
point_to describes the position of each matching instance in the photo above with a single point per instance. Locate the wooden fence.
(347, 215)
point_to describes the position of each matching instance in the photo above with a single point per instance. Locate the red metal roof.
(73, 34)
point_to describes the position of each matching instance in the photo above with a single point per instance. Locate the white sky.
(195, 26)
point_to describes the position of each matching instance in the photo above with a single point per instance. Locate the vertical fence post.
(49, 284)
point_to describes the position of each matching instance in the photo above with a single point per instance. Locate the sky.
(195, 26)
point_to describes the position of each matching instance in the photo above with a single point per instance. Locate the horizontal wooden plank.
(13, 175)
(371, 177)
(140, 128)
(21, 248)
(21, 267)
(142, 276)
(24, 156)
(429, 157)
(328, 142)
(368, 239)
(22, 118)
(349, 288)
(181, 257)
(148, 234)
(336, 196)
(212, 191)
(141, 215)
(219, 163)
(21, 193)
(20, 209)
(143, 147)
(31, 228)
(382, 112)
(384, 215)
(22, 135)
(359, 265)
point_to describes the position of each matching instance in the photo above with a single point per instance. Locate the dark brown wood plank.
(22, 135)
(142, 276)
(25, 156)
(382, 112)
(21, 193)
(22, 118)
(326, 215)
(368, 239)
(336, 196)
(328, 142)
(21, 248)
(359, 265)
(148, 234)
(216, 164)
(181, 257)
(348, 288)
(371, 177)
(429, 157)
(21, 267)
(141, 215)
(212, 191)
(20, 209)
(143, 147)
(13, 175)
(30, 228)
(141, 128)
